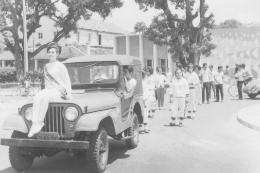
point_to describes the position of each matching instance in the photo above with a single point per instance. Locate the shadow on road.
(64, 163)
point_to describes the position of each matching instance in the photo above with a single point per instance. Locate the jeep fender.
(15, 122)
(91, 121)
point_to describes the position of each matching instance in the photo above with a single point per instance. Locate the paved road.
(215, 142)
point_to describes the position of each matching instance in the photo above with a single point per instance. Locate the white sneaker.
(36, 128)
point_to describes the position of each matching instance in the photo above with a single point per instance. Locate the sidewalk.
(250, 117)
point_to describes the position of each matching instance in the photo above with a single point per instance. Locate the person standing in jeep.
(130, 82)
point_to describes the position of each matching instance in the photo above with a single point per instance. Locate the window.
(89, 37)
(163, 65)
(149, 63)
(40, 35)
(99, 40)
(78, 38)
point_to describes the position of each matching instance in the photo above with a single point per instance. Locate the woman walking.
(180, 92)
(151, 82)
(57, 85)
(193, 81)
(199, 86)
(161, 80)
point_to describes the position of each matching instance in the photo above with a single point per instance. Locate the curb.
(249, 125)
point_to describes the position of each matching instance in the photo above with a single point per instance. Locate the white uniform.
(179, 90)
(193, 81)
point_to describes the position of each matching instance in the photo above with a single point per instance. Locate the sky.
(245, 11)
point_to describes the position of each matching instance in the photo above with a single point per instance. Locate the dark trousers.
(239, 88)
(212, 87)
(219, 88)
(206, 87)
(160, 96)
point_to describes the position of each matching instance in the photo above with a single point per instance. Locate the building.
(235, 46)
(96, 36)
(151, 54)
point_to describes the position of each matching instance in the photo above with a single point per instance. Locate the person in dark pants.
(240, 75)
(212, 84)
(206, 79)
(219, 80)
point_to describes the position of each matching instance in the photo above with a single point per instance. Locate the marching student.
(151, 83)
(161, 82)
(193, 81)
(199, 86)
(180, 92)
(219, 81)
(206, 79)
(212, 83)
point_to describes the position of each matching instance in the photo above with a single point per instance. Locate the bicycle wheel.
(232, 90)
(16, 91)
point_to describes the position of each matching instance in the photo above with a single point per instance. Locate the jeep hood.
(94, 101)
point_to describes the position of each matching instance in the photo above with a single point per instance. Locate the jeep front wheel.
(97, 154)
(133, 131)
(20, 161)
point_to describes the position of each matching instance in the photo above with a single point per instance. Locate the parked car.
(252, 89)
(100, 108)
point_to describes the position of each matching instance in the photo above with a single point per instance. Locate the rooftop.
(100, 26)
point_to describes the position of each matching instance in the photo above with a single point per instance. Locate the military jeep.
(100, 107)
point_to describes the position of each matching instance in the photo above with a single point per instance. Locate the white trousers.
(41, 102)
(199, 93)
(192, 100)
(178, 107)
(149, 106)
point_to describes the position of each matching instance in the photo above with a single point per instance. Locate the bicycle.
(20, 90)
(232, 89)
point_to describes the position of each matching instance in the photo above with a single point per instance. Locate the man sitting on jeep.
(130, 82)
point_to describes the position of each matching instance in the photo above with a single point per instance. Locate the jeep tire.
(97, 155)
(134, 132)
(18, 160)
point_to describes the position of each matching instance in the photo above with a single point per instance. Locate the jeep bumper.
(59, 144)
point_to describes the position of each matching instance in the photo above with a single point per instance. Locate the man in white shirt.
(248, 74)
(212, 84)
(240, 76)
(169, 74)
(130, 82)
(206, 79)
(219, 79)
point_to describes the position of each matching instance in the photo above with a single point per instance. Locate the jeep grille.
(54, 121)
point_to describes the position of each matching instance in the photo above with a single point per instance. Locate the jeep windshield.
(92, 73)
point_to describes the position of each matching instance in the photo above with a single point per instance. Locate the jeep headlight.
(71, 113)
(28, 113)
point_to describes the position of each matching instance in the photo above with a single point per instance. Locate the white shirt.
(60, 73)
(132, 82)
(179, 87)
(206, 75)
(148, 89)
(248, 72)
(151, 81)
(218, 77)
(169, 75)
(160, 80)
(241, 75)
(192, 79)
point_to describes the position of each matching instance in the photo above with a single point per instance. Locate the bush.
(8, 75)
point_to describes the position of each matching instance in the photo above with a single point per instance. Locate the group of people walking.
(187, 88)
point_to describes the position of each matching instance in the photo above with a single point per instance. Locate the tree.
(11, 22)
(231, 23)
(186, 42)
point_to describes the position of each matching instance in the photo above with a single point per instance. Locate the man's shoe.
(172, 124)
(180, 124)
(34, 130)
(217, 101)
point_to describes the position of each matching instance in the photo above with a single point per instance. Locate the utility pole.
(25, 39)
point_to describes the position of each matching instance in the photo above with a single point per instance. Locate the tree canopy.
(230, 23)
(186, 42)
(11, 21)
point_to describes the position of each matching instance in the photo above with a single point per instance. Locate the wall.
(235, 46)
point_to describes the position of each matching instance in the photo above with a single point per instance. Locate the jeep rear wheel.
(134, 132)
(97, 154)
(19, 160)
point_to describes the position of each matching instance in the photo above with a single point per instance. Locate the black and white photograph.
(130, 86)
